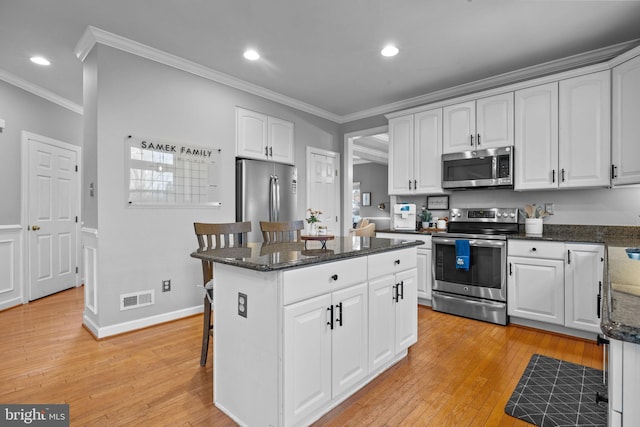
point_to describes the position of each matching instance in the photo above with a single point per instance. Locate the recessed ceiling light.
(40, 60)
(389, 50)
(251, 55)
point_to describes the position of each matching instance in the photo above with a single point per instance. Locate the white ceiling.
(321, 53)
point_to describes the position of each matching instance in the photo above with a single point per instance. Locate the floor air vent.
(136, 300)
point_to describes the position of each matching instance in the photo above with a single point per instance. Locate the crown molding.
(93, 35)
(40, 91)
(512, 77)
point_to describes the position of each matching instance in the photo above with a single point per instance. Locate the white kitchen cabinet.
(393, 306)
(626, 123)
(584, 273)
(562, 134)
(415, 144)
(624, 383)
(424, 261)
(325, 349)
(585, 129)
(480, 124)
(262, 137)
(536, 137)
(535, 282)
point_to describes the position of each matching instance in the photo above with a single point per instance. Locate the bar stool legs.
(207, 326)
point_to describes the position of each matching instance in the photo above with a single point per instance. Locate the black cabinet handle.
(614, 168)
(599, 300)
(395, 292)
(562, 174)
(472, 140)
(533, 249)
(568, 256)
(334, 277)
(266, 151)
(330, 323)
(401, 286)
(409, 184)
(415, 184)
(510, 269)
(478, 139)
(553, 176)
(271, 151)
(339, 319)
(397, 262)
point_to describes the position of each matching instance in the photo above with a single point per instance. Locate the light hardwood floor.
(460, 373)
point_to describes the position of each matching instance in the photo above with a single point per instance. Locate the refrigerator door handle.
(277, 197)
(272, 198)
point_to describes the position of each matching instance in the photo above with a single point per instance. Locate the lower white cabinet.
(325, 349)
(393, 306)
(584, 273)
(555, 282)
(624, 383)
(535, 284)
(425, 272)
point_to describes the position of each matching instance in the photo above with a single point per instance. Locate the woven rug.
(553, 392)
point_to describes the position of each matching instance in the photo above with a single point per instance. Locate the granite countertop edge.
(305, 262)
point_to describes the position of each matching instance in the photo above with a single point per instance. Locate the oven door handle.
(472, 242)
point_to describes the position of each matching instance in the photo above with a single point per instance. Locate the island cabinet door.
(349, 337)
(406, 333)
(307, 358)
(381, 321)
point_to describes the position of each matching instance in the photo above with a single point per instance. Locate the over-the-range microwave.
(492, 167)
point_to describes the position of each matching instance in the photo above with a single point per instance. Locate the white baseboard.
(10, 303)
(120, 328)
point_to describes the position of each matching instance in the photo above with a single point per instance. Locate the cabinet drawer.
(306, 282)
(536, 249)
(392, 262)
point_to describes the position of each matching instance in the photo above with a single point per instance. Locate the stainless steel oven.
(480, 290)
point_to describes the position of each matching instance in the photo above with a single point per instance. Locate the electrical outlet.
(549, 208)
(166, 285)
(242, 304)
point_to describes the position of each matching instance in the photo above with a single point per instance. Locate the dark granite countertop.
(281, 256)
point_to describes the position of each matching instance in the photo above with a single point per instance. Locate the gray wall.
(373, 179)
(22, 110)
(139, 247)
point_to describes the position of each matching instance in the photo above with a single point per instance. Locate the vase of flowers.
(313, 219)
(533, 216)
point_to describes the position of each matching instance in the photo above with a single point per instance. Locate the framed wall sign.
(366, 199)
(438, 203)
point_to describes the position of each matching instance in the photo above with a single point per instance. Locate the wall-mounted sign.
(437, 202)
(170, 174)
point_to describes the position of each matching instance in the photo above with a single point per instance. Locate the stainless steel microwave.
(492, 167)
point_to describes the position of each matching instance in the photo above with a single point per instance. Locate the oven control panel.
(508, 215)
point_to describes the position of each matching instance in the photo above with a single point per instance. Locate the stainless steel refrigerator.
(265, 191)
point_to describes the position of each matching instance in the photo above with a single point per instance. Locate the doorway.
(323, 186)
(361, 147)
(51, 213)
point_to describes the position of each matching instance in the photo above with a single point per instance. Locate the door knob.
(35, 228)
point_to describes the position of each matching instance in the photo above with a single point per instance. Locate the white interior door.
(323, 186)
(53, 211)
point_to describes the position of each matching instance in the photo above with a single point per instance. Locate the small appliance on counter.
(404, 216)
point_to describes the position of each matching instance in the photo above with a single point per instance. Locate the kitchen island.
(297, 331)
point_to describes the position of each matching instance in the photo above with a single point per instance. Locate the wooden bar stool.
(287, 231)
(215, 236)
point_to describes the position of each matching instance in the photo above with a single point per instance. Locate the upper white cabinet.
(415, 143)
(536, 137)
(263, 137)
(626, 123)
(585, 128)
(562, 134)
(475, 125)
